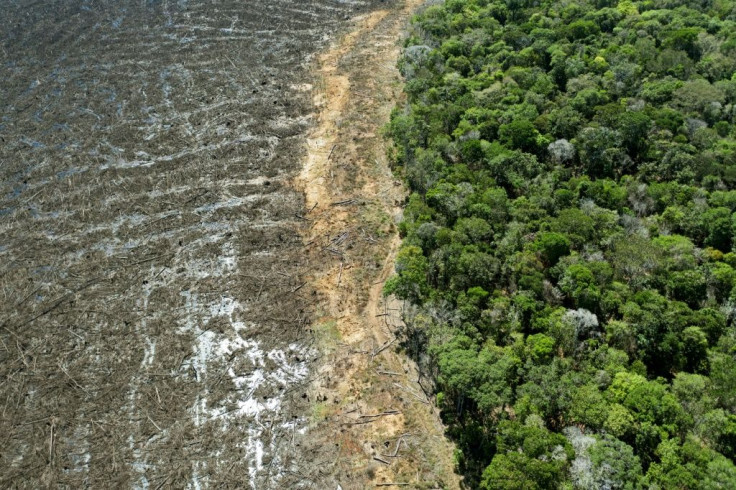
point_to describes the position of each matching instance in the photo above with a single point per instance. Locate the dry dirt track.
(156, 299)
(373, 424)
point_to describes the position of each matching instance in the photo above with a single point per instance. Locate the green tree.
(615, 465)
(695, 350)
(601, 152)
(519, 135)
(411, 279)
(528, 457)
(578, 282)
(551, 246)
(687, 286)
(634, 128)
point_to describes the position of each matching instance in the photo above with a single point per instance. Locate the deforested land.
(157, 301)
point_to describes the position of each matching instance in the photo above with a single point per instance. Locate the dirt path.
(371, 422)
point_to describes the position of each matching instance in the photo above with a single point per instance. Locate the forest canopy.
(568, 244)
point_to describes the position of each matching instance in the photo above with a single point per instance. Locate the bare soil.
(155, 300)
(372, 422)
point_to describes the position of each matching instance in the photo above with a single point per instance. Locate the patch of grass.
(327, 333)
(320, 411)
(377, 221)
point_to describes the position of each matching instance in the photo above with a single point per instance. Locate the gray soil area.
(154, 315)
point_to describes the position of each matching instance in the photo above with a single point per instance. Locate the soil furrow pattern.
(153, 324)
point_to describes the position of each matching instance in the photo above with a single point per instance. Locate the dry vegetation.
(154, 305)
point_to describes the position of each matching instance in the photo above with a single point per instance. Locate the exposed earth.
(196, 218)
(373, 421)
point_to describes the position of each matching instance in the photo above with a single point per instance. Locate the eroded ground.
(373, 423)
(156, 302)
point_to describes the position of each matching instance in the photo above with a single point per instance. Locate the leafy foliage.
(569, 239)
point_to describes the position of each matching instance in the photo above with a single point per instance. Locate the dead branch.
(372, 418)
(312, 208)
(404, 388)
(396, 451)
(382, 414)
(389, 373)
(383, 348)
(333, 251)
(342, 203)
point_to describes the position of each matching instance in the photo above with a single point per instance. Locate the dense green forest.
(568, 244)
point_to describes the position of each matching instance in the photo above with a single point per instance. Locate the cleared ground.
(155, 312)
(374, 424)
